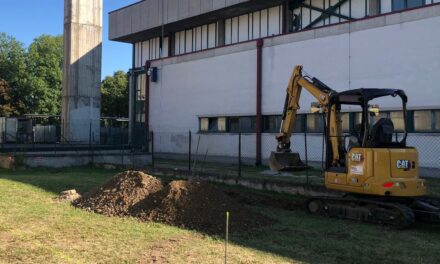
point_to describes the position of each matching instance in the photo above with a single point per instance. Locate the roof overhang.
(145, 19)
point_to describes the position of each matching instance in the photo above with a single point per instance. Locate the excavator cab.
(375, 161)
(371, 132)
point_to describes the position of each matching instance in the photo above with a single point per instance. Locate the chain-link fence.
(49, 132)
(236, 154)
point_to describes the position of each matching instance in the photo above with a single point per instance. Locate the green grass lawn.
(36, 229)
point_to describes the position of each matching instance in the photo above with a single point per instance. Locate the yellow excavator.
(375, 175)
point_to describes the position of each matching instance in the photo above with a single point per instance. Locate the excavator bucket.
(282, 161)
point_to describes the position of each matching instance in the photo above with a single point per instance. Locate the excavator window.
(381, 133)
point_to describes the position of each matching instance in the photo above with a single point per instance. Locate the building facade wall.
(378, 52)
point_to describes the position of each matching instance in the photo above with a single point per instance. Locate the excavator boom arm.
(322, 94)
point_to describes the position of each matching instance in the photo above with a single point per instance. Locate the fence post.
(323, 151)
(189, 153)
(90, 133)
(239, 154)
(152, 149)
(307, 158)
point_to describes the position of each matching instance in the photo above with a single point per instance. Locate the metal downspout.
(147, 101)
(258, 121)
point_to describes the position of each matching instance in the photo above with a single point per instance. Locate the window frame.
(405, 5)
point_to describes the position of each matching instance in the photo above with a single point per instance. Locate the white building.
(223, 65)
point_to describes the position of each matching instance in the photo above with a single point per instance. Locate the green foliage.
(5, 99)
(45, 66)
(13, 73)
(32, 79)
(114, 89)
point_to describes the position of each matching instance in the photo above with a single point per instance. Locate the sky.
(28, 19)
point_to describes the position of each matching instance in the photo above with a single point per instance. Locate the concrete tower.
(81, 102)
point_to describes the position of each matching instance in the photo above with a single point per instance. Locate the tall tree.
(6, 108)
(14, 74)
(114, 89)
(45, 67)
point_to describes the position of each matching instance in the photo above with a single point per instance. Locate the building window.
(204, 124)
(299, 123)
(398, 5)
(398, 120)
(271, 124)
(345, 118)
(422, 120)
(213, 124)
(150, 49)
(374, 7)
(375, 118)
(259, 24)
(314, 123)
(221, 124)
(247, 124)
(140, 99)
(195, 39)
(233, 124)
(437, 120)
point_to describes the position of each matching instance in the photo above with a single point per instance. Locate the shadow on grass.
(296, 235)
(83, 179)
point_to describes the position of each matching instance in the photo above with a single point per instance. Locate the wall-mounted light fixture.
(152, 72)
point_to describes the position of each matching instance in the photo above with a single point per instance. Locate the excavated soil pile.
(120, 193)
(196, 205)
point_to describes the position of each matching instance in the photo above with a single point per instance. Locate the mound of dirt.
(120, 193)
(196, 205)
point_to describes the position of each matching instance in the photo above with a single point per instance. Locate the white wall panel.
(358, 9)
(211, 35)
(228, 30)
(189, 41)
(234, 32)
(316, 14)
(256, 24)
(345, 9)
(145, 51)
(182, 40)
(243, 28)
(177, 43)
(274, 21)
(198, 38)
(165, 47)
(204, 39)
(263, 23)
(390, 59)
(385, 6)
(202, 87)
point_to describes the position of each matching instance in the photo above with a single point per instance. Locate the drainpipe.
(258, 121)
(284, 12)
(132, 99)
(147, 100)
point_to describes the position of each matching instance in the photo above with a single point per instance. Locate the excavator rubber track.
(395, 215)
(395, 212)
